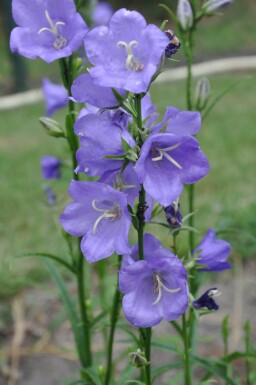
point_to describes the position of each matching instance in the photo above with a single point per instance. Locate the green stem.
(113, 320)
(188, 380)
(84, 312)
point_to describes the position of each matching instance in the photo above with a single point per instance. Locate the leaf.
(237, 355)
(164, 347)
(92, 374)
(135, 382)
(50, 256)
(70, 308)
(130, 333)
(98, 318)
(165, 368)
(170, 12)
(126, 374)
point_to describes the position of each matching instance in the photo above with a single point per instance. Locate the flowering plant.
(127, 166)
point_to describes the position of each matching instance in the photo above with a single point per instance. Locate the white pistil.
(131, 63)
(158, 285)
(60, 41)
(112, 213)
(163, 153)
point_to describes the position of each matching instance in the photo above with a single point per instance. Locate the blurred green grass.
(224, 199)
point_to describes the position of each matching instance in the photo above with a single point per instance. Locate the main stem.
(113, 321)
(186, 351)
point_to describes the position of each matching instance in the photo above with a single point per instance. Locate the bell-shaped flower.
(84, 90)
(179, 122)
(100, 216)
(126, 54)
(154, 288)
(46, 29)
(213, 252)
(55, 96)
(100, 137)
(50, 166)
(102, 13)
(167, 162)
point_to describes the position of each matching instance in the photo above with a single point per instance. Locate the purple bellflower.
(102, 13)
(98, 214)
(84, 90)
(55, 95)
(100, 136)
(126, 54)
(213, 253)
(167, 162)
(50, 166)
(179, 122)
(206, 300)
(154, 288)
(148, 111)
(46, 29)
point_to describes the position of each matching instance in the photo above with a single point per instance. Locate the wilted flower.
(50, 166)
(98, 214)
(173, 215)
(213, 253)
(102, 13)
(173, 45)
(185, 14)
(207, 301)
(167, 162)
(154, 288)
(125, 54)
(47, 29)
(202, 93)
(213, 5)
(138, 359)
(55, 96)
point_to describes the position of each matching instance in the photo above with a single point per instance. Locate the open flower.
(99, 215)
(50, 166)
(154, 288)
(213, 253)
(102, 13)
(167, 162)
(55, 95)
(125, 54)
(46, 29)
(100, 136)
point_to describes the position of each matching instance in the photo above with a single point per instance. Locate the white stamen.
(158, 285)
(120, 185)
(131, 63)
(163, 153)
(113, 213)
(60, 41)
(214, 293)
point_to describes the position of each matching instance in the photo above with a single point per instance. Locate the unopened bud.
(207, 301)
(185, 14)
(78, 62)
(173, 215)
(202, 93)
(138, 359)
(213, 5)
(51, 127)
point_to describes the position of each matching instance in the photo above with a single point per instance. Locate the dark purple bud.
(173, 215)
(50, 196)
(207, 301)
(50, 167)
(174, 44)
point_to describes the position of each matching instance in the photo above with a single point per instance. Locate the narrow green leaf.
(166, 368)
(49, 256)
(164, 347)
(97, 319)
(92, 374)
(170, 12)
(70, 308)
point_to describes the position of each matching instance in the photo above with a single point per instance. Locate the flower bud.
(138, 359)
(174, 44)
(213, 5)
(173, 215)
(207, 301)
(185, 14)
(202, 93)
(51, 127)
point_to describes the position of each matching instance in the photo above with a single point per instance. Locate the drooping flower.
(50, 166)
(98, 214)
(179, 122)
(84, 90)
(173, 45)
(185, 14)
(206, 301)
(154, 288)
(213, 253)
(125, 54)
(46, 29)
(55, 96)
(167, 162)
(213, 5)
(102, 13)
(100, 136)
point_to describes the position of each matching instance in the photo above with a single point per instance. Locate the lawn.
(225, 199)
